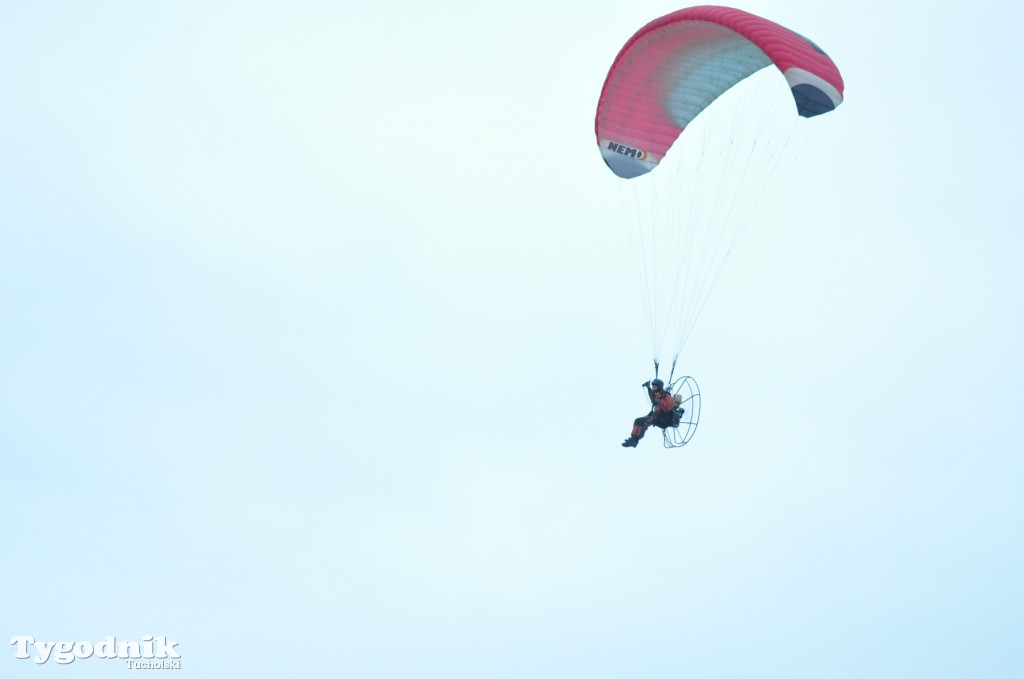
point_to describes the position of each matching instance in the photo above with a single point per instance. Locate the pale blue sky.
(318, 336)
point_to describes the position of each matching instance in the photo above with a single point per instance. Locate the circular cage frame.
(680, 433)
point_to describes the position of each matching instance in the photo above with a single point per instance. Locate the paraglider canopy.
(677, 65)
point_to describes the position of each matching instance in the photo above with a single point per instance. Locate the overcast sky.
(319, 333)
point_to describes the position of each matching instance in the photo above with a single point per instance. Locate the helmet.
(657, 383)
